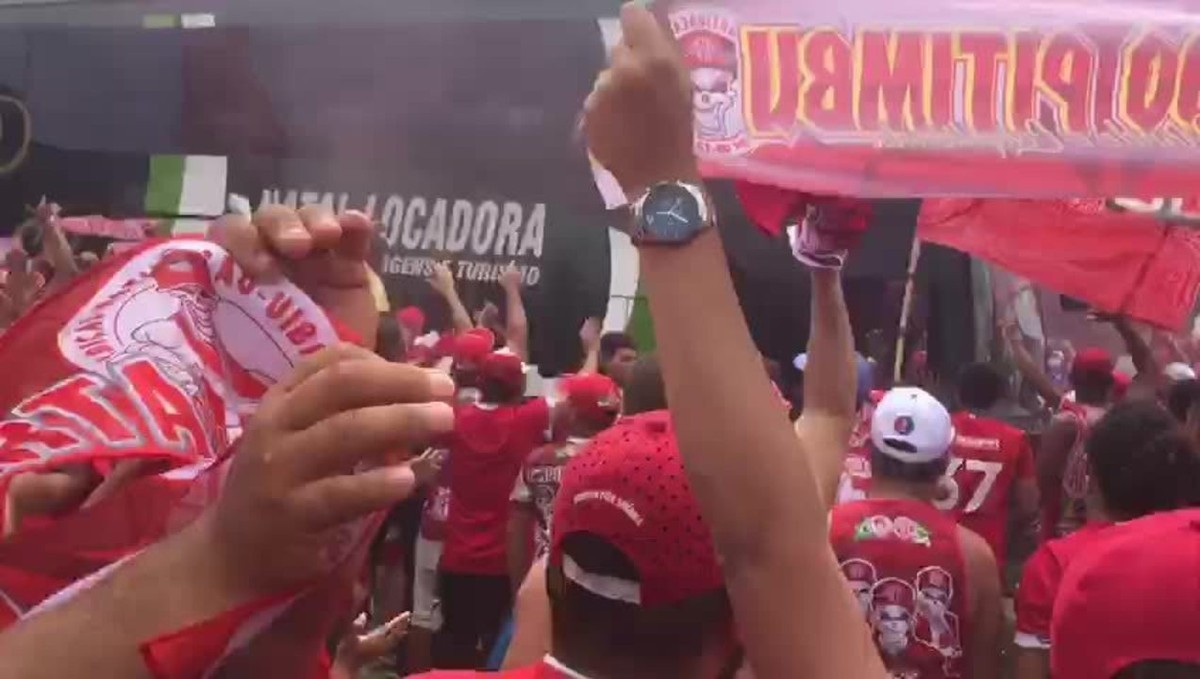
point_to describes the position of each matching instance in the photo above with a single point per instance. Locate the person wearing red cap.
(468, 352)
(589, 404)
(1140, 462)
(492, 437)
(934, 597)
(1061, 463)
(632, 574)
(1128, 608)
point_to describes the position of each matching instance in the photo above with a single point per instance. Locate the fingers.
(348, 384)
(337, 444)
(357, 232)
(237, 234)
(343, 351)
(333, 501)
(640, 28)
(322, 226)
(384, 638)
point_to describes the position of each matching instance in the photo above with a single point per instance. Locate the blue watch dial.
(671, 213)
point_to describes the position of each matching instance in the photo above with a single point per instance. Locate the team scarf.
(153, 355)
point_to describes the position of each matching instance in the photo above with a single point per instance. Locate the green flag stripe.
(164, 189)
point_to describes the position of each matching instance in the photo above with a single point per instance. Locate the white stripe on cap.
(607, 586)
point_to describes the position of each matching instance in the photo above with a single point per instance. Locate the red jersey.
(1066, 512)
(1040, 580)
(856, 466)
(989, 458)
(437, 504)
(487, 448)
(903, 561)
(538, 484)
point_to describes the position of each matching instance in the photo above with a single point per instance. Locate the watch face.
(671, 213)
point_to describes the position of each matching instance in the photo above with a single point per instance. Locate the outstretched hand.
(314, 457)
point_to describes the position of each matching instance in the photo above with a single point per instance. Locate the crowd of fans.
(673, 515)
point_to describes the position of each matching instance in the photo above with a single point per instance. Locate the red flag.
(151, 355)
(1116, 261)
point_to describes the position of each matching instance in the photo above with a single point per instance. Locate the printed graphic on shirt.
(883, 527)
(911, 622)
(541, 477)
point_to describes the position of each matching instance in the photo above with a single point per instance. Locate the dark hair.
(498, 391)
(388, 343)
(1182, 396)
(1092, 388)
(980, 386)
(603, 637)
(1159, 669)
(1142, 461)
(612, 342)
(644, 390)
(887, 467)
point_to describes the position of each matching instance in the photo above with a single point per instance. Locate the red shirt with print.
(1040, 581)
(542, 670)
(902, 560)
(989, 458)
(487, 448)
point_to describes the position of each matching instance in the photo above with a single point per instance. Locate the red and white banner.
(943, 98)
(1115, 259)
(121, 229)
(150, 355)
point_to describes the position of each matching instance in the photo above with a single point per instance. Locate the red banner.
(935, 99)
(121, 229)
(1117, 261)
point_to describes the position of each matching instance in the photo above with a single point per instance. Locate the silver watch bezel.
(639, 234)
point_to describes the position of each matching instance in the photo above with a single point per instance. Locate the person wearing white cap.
(950, 626)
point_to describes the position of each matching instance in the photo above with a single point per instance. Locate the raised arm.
(749, 473)
(830, 384)
(589, 340)
(442, 281)
(516, 323)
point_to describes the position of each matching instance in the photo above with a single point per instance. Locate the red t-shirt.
(903, 562)
(1040, 581)
(989, 457)
(856, 466)
(487, 449)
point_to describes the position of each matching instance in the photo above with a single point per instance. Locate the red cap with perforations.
(628, 488)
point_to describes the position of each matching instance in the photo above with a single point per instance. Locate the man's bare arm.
(986, 614)
(170, 586)
(443, 282)
(830, 384)
(516, 323)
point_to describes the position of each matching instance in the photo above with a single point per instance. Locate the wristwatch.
(670, 213)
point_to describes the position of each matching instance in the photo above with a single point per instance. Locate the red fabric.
(1041, 578)
(1117, 262)
(856, 467)
(903, 562)
(134, 361)
(504, 367)
(990, 457)
(189, 652)
(473, 346)
(629, 488)
(1130, 598)
(772, 209)
(486, 451)
(412, 319)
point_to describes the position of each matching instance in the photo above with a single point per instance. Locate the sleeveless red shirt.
(903, 562)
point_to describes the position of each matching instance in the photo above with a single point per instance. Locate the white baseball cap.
(910, 425)
(1177, 372)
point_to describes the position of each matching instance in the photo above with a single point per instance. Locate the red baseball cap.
(473, 346)
(591, 394)
(1093, 360)
(1146, 578)
(504, 367)
(628, 488)
(412, 318)
(1121, 384)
